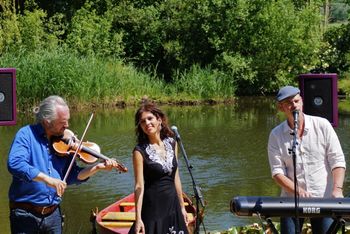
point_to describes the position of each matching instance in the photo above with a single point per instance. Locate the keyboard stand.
(338, 223)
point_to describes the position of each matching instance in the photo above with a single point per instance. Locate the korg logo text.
(311, 210)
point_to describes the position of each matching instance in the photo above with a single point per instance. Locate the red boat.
(119, 216)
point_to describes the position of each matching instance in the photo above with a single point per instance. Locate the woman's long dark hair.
(151, 107)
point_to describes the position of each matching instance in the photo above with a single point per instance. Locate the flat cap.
(286, 92)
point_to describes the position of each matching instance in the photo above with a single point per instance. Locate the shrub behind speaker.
(7, 96)
(320, 95)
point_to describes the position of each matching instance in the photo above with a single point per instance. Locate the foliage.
(344, 84)
(203, 84)
(257, 229)
(344, 108)
(87, 79)
(248, 47)
(280, 42)
(32, 30)
(28, 31)
(339, 11)
(90, 34)
(140, 29)
(299, 4)
(79, 79)
(9, 29)
(337, 52)
(273, 40)
(238, 68)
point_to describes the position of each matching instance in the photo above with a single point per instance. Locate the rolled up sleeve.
(334, 150)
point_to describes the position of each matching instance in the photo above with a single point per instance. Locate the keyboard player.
(320, 163)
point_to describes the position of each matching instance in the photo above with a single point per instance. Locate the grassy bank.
(91, 81)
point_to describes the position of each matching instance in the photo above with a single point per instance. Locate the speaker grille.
(7, 96)
(6, 100)
(318, 98)
(319, 92)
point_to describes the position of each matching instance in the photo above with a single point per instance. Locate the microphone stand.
(197, 190)
(296, 195)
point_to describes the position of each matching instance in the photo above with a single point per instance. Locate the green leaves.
(91, 34)
(255, 46)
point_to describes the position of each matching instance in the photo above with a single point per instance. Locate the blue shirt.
(30, 154)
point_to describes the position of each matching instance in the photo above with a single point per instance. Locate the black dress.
(161, 211)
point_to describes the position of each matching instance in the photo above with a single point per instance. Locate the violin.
(88, 152)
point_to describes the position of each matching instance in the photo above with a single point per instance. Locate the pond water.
(225, 144)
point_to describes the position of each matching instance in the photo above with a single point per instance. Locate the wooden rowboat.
(118, 217)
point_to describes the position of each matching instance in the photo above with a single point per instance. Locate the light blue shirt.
(318, 152)
(30, 154)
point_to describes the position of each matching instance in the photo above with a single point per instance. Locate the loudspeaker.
(7, 96)
(320, 95)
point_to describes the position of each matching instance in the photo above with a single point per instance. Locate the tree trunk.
(326, 8)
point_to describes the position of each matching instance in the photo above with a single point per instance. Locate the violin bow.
(77, 149)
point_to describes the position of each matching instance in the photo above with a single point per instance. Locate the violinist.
(37, 171)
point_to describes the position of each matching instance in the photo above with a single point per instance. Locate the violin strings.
(77, 149)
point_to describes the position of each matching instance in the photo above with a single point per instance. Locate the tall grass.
(344, 84)
(204, 83)
(98, 81)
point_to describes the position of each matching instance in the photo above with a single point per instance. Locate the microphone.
(296, 116)
(197, 189)
(177, 135)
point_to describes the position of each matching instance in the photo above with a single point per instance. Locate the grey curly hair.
(47, 108)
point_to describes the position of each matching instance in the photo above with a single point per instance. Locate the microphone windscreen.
(295, 114)
(177, 135)
(174, 128)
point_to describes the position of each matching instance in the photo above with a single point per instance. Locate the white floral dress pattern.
(167, 164)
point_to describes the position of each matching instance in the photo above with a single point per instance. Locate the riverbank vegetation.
(111, 52)
(257, 229)
(86, 80)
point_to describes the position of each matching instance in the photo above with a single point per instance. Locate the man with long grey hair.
(38, 173)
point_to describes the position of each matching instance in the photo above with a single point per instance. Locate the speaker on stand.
(7, 96)
(320, 95)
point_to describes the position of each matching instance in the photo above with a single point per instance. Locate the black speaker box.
(320, 95)
(7, 96)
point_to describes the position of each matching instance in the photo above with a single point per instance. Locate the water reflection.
(226, 145)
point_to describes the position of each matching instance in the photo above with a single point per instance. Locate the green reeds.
(80, 80)
(103, 81)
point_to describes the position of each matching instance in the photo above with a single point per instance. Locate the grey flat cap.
(286, 92)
